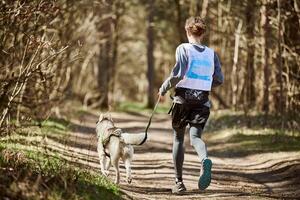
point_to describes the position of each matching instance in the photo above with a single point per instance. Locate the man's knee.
(195, 136)
(179, 134)
(195, 132)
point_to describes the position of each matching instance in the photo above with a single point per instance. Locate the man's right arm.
(178, 71)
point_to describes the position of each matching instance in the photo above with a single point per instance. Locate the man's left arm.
(218, 77)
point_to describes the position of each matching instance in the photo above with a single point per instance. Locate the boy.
(196, 71)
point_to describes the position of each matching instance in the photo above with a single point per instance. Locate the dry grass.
(28, 170)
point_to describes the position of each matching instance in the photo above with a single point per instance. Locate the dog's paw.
(104, 173)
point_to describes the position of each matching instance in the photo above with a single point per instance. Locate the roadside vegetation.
(246, 135)
(29, 170)
(140, 107)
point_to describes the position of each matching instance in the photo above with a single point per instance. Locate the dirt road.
(256, 176)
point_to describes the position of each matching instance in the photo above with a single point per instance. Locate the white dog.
(113, 144)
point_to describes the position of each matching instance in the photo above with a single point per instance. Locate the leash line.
(150, 120)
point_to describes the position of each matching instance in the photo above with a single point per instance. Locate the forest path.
(256, 176)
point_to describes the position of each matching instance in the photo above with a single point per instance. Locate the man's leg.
(197, 142)
(178, 152)
(178, 157)
(206, 164)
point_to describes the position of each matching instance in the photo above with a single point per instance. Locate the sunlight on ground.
(60, 142)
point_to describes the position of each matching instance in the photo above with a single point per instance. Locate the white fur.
(134, 139)
(117, 147)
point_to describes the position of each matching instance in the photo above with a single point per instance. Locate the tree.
(250, 72)
(264, 25)
(105, 56)
(279, 35)
(235, 76)
(150, 56)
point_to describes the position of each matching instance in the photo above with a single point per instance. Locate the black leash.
(150, 119)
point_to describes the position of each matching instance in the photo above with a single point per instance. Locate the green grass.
(232, 119)
(53, 123)
(242, 135)
(140, 107)
(239, 144)
(28, 175)
(29, 170)
(81, 112)
(269, 142)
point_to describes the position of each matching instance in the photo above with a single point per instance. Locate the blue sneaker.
(205, 174)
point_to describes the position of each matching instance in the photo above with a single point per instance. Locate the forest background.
(103, 53)
(62, 61)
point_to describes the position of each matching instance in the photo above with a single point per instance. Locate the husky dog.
(113, 144)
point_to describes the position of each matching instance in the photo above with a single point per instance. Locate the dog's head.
(105, 117)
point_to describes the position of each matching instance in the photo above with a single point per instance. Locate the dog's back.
(118, 149)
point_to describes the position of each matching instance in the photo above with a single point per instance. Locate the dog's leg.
(115, 164)
(102, 159)
(127, 158)
(102, 165)
(108, 164)
(127, 164)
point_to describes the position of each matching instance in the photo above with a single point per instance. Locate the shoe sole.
(178, 191)
(205, 179)
(182, 190)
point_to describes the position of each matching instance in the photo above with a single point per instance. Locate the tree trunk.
(219, 99)
(203, 14)
(265, 54)
(105, 58)
(297, 9)
(119, 9)
(204, 9)
(250, 73)
(279, 35)
(180, 28)
(150, 56)
(103, 74)
(195, 7)
(235, 76)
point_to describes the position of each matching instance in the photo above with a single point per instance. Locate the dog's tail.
(134, 138)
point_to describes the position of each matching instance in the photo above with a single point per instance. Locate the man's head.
(195, 27)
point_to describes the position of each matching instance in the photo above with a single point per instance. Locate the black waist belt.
(192, 96)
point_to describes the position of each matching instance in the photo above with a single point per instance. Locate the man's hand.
(162, 98)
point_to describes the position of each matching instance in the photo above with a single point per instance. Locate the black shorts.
(191, 111)
(193, 114)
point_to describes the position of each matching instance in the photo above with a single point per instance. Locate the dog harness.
(200, 69)
(116, 132)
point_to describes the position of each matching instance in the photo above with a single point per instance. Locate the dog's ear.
(109, 117)
(105, 116)
(101, 118)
